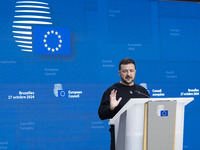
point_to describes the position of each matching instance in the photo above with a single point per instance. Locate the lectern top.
(142, 101)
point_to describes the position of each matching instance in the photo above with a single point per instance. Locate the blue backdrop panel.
(51, 101)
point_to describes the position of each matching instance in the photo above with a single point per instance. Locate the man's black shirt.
(126, 92)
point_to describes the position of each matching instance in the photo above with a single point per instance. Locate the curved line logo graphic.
(27, 14)
(33, 17)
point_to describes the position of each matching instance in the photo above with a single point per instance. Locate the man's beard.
(123, 80)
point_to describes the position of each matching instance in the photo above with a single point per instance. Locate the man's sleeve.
(104, 109)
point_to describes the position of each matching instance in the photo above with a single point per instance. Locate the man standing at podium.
(116, 96)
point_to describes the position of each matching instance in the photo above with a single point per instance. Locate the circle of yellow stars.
(52, 32)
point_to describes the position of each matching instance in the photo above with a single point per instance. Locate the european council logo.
(33, 30)
(164, 113)
(51, 40)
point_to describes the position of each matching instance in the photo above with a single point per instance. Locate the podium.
(150, 124)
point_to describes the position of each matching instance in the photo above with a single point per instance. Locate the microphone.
(140, 93)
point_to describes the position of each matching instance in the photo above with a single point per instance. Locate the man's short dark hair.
(126, 61)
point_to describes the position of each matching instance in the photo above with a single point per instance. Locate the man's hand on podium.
(113, 101)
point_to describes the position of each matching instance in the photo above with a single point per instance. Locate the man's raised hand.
(113, 101)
